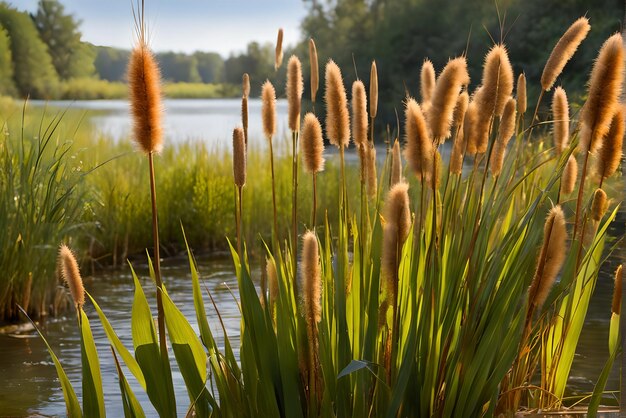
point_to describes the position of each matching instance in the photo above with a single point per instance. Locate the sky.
(223, 26)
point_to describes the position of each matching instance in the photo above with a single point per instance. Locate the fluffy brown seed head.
(605, 87)
(497, 82)
(445, 93)
(268, 109)
(337, 118)
(373, 90)
(239, 157)
(456, 156)
(470, 122)
(610, 153)
(244, 117)
(617, 291)
(418, 150)
(506, 131)
(427, 81)
(315, 71)
(560, 114)
(396, 164)
(312, 144)
(459, 110)
(144, 84)
(570, 173)
(563, 51)
(311, 279)
(599, 205)
(278, 60)
(551, 257)
(359, 113)
(521, 94)
(245, 85)
(294, 92)
(372, 179)
(71, 275)
(395, 230)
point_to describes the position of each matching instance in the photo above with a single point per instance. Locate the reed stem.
(273, 192)
(239, 224)
(294, 211)
(314, 201)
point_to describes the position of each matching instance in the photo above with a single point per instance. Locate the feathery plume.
(268, 109)
(470, 123)
(373, 90)
(459, 110)
(294, 92)
(337, 118)
(311, 279)
(278, 61)
(395, 231)
(610, 153)
(560, 113)
(551, 257)
(617, 292)
(506, 131)
(427, 81)
(570, 173)
(245, 84)
(359, 113)
(312, 144)
(396, 164)
(444, 97)
(418, 149)
(315, 71)
(244, 117)
(497, 83)
(372, 179)
(563, 51)
(456, 157)
(521, 94)
(605, 87)
(599, 205)
(144, 84)
(71, 275)
(239, 157)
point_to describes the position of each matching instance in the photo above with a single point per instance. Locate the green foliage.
(178, 67)
(7, 87)
(210, 66)
(111, 63)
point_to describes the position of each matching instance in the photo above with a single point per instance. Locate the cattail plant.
(458, 147)
(616, 305)
(505, 132)
(245, 84)
(497, 82)
(71, 276)
(470, 123)
(268, 117)
(427, 81)
(560, 114)
(521, 94)
(239, 175)
(418, 149)
(278, 60)
(312, 153)
(396, 165)
(599, 205)
(373, 97)
(610, 153)
(359, 114)
(315, 74)
(568, 179)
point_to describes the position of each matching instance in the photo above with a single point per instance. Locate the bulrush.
(505, 132)
(359, 113)
(605, 87)
(395, 231)
(599, 205)
(456, 156)
(310, 276)
(312, 144)
(315, 71)
(144, 83)
(497, 83)
(551, 258)
(610, 153)
(239, 157)
(427, 81)
(440, 115)
(71, 275)
(563, 51)
(373, 90)
(245, 85)
(268, 109)
(560, 114)
(372, 180)
(470, 122)
(570, 173)
(278, 60)
(459, 110)
(337, 119)
(396, 164)
(521, 94)
(294, 92)
(418, 149)
(616, 306)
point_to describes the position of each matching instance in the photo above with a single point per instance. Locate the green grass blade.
(132, 407)
(93, 397)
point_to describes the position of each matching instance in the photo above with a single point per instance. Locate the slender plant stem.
(240, 224)
(314, 201)
(579, 199)
(273, 193)
(294, 211)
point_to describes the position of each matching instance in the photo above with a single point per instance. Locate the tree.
(71, 57)
(210, 66)
(111, 63)
(7, 87)
(178, 67)
(33, 71)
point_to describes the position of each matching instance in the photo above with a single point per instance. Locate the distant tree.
(7, 87)
(210, 66)
(33, 71)
(178, 67)
(60, 31)
(111, 63)
(258, 62)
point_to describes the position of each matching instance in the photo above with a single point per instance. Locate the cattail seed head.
(268, 109)
(497, 83)
(396, 164)
(444, 97)
(315, 71)
(359, 113)
(599, 205)
(312, 144)
(459, 110)
(395, 230)
(506, 131)
(239, 157)
(560, 113)
(456, 156)
(521, 94)
(278, 61)
(470, 123)
(418, 149)
(605, 87)
(295, 87)
(311, 279)
(617, 292)
(610, 153)
(71, 275)
(551, 257)
(563, 51)
(372, 179)
(144, 84)
(427, 81)
(245, 84)
(373, 90)
(337, 118)
(244, 116)
(570, 173)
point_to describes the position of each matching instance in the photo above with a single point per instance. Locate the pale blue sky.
(222, 26)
